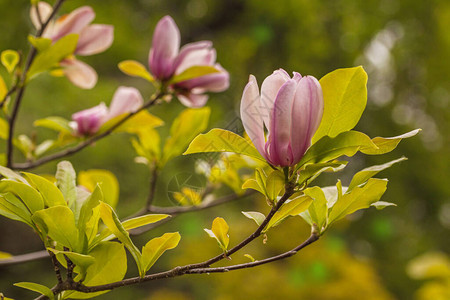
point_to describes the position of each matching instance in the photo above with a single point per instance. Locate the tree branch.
(88, 142)
(56, 267)
(21, 87)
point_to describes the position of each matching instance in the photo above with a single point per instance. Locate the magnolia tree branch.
(88, 142)
(21, 87)
(202, 267)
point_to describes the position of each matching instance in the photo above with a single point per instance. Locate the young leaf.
(193, 72)
(10, 174)
(318, 210)
(345, 98)
(364, 175)
(255, 216)
(14, 209)
(140, 122)
(385, 145)
(80, 260)
(87, 208)
(113, 223)
(253, 184)
(41, 44)
(59, 223)
(189, 123)
(292, 208)
(65, 181)
(219, 231)
(107, 180)
(382, 204)
(10, 59)
(50, 57)
(3, 92)
(347, 143)
(29, 196)
(110, 266)
(54, 123)
(5, 255)
(358, 198)
(274, 184)
(50, 193)
(135, 69)
(220, 140)
(156, 247)
(312, 171)
(35, 287)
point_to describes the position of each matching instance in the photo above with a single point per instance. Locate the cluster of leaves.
(67, 219)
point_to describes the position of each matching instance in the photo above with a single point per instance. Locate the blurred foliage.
(403, 45)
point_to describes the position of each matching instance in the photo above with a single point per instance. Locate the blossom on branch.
(93, 39)
(289, 108)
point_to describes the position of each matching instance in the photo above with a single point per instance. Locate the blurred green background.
(404, 46)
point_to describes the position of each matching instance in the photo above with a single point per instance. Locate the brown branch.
(56, 267)
(18, 259)
(88, 142)
(9, 93)
(21, 87)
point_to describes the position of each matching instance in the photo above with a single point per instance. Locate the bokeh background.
(404, 45)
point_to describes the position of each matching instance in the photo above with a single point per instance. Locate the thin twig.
(9, 93)
(56, 267)
(88, 142)
(21, 87)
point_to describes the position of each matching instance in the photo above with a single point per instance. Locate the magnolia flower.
(93, 39)
(166, 60)
(290, 109)
(87, 122)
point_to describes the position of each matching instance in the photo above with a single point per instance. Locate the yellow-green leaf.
(41, 44)
(50, 193)
(255, 216)
(385, 145)
(80, 260)
(3, 89)
(54, 123)
(274, 184)
(318, 210)
(136, 69)
(220, 140)
(35, 287)
(219, 231)
(193, 72)
(292, 208)
(309, 172)
(107, 181)
(345, 98)
(4, 255)
(10, 59)
(157, 246)
(29, 196)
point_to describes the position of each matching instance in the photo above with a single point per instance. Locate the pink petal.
(198, 57)
(193, 100)
(79, 73)
(278, 144)
(165, 47)
(307, 111)
(251, 115)
(125, 100)
(214, 82)
(88, 121)
(74, 22)
(186, 51)
(269, 90)
(45, 11)
(95, 39)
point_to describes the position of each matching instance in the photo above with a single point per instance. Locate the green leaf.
(54, 123)
(110, 266)
(386, 145)
(50, 193)
(82, 261)
(135, 69)
(312, 171)
(10, 59)
(220, 140)
(87, 209)
(50, 57)
(292, 208)
(111, 221)
(44, 147)
(107, 180)
(347, 143)
(59, 223)
(364, 175)
(255, 216)
(3, 92)
(41, 44)
(253, 184)
(186, 126)
(35, 287)
(91, 228)
(382, 204)
(156, 247)
(29, 196)
(219, 231)
(10, 174)
(274, 184)
(193, 72)
(318, 210)
(14, 209)
(139, 122)
(65, 181)
(358, 198)
(345, 98)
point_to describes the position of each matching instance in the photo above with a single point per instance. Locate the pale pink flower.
(166, 60)
(289, 108)
(93, 39)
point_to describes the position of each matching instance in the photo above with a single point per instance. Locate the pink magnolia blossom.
(289, 108)
(166, 60)
(87, 122)
(93, 39)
